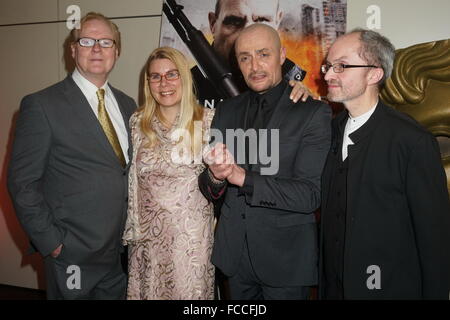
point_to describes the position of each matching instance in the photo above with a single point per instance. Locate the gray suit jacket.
(66, 183)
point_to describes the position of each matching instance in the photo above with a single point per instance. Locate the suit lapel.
(125, 116)
(83, 111)
(122, 103)
(281, 110)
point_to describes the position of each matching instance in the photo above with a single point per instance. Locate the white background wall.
(31, 58)
(404, 22)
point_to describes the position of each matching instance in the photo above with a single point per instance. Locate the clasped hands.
(222, 165)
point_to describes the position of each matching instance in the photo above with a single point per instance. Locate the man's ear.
(280, 17)
(72, 50)
(375, 75)
(282, 55)
(212, 21)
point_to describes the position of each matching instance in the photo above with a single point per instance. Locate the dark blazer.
(66, 183)
(277, 217)
(398, 212)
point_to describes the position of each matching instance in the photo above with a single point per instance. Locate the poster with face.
(306, 27)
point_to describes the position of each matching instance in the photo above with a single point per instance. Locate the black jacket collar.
(375, 119)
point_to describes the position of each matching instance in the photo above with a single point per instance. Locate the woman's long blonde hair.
(190, 110)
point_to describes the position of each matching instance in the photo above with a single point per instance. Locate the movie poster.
(306, 27)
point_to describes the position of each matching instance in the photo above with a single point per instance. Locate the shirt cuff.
(247, 188)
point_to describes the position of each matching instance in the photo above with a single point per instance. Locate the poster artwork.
(307, 29)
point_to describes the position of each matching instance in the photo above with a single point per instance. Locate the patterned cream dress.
(169, 228)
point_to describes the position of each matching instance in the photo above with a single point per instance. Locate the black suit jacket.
(66, 183)
(398, 212)
(277, 216)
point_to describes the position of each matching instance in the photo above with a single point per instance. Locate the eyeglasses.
(89, 42)
(170, 76)
(339, 67)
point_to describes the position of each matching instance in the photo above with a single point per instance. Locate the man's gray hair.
(377, 50)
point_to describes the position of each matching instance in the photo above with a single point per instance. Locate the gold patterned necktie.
(108, 127)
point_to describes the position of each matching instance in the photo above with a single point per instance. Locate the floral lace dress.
(169, 228)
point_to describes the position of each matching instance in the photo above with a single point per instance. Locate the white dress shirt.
(90, 92)
(352, 125)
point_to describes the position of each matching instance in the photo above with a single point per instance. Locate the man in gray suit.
(68, 173)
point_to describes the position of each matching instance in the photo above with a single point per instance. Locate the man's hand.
(222, 166)
(300, 91)
(237, 176)
(219, 161)
(57, 251)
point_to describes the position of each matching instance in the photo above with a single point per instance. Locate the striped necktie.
(108, 127)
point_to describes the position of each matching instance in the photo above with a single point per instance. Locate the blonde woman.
(169, 229)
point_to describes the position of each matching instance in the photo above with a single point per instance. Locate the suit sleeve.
(428, 199)
(300, 192)
(26, 170)
(212, 191)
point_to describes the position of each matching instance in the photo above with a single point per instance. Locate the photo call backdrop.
(307, 28)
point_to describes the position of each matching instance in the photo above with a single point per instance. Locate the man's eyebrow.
(257, 51)
(233, 19)
(262, 50)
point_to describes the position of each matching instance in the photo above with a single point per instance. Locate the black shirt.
(269, 100)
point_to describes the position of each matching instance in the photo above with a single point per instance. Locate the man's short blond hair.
(75, 33)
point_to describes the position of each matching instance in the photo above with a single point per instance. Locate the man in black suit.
(266, 238)
(385, 217)
(68, 172)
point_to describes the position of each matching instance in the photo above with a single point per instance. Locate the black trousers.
(245, 285)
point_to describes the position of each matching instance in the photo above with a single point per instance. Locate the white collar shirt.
(351, 126)
(112, 107)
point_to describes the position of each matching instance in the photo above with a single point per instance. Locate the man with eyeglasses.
(385, 216)
(68, 171)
